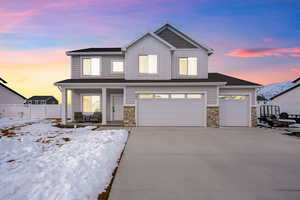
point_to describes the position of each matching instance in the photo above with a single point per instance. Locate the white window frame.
(112, 66)
(187, 57)
(90, 94)
(147, 73)
(81, 66)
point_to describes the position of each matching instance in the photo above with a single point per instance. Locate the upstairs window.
(148, 64)
(91, 66)
(117, 66)
(188, 66)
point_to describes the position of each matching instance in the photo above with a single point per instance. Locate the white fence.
(28, 111)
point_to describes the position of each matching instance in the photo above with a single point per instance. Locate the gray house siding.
(240, 91)
(105, 62)
(148, 45)
(202, 62)
(211, 92)
(8, 97)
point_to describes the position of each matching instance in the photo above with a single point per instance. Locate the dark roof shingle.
(109, 49)
(40, 97)
(212, 77)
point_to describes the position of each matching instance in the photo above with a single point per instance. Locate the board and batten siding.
(145, 46)
(106, 66)
(224, 91)
(8, 97)
(211, 92)
(202, 63)
(289, 102)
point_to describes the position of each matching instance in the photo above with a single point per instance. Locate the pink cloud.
(297, 70)
(295, 55)
(263, 52)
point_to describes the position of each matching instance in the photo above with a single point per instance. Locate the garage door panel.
(171, 112)
(234, 112)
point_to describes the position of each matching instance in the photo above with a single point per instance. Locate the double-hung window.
(148, 64)
(117, 66)
(91, 66)
(188, 66)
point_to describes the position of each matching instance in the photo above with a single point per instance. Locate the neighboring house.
(8, 95)
(289, 100)
(159, 79)
(261, 100)
(41, 100)
(296, 80)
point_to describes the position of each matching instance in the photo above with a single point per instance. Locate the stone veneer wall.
(213, 117)
(253, 117)
(129, 116)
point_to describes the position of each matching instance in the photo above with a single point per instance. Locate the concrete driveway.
(208, 164)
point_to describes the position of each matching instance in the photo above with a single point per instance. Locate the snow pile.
(8, 122)
(46, 162)
(268, 91)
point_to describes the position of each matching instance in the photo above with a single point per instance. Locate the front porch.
(93, 106)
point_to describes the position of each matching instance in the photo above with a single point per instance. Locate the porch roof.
(212, 77)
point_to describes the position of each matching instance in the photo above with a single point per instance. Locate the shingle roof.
(212, 77)
(294, 87)
(40, 97)
(109, 49)
(12, 90)
(298, 79)
(175, 39)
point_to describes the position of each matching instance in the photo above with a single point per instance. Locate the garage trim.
(171, 92)
(241, 94)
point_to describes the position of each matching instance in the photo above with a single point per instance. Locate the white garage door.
(171, 109)
(234, 111)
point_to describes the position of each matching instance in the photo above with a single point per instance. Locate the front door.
(116, 107)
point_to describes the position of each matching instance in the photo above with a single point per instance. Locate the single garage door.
(176, 109)
(234, 110)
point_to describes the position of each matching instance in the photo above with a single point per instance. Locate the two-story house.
(159, 79)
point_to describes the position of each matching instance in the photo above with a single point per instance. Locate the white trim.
(242, 94)
(111, 104)
(90, 76)
(151, 34)
(111, 66)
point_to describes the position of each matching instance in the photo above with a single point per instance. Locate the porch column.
(64, 104)
(103, 106)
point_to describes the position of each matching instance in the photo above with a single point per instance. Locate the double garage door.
(189, 109)
(175, 109)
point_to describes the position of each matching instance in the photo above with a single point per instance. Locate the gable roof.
(41, 97)
(154, 36)
(285, 91)
(1, 79)
(107, 50)
(11, 90)
(169, 36)
(295, 81)
(212, 77)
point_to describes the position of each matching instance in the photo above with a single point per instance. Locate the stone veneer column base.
(129, 116)
(253, 117)
(213, 117)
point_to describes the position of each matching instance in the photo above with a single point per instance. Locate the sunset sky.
(258, 40)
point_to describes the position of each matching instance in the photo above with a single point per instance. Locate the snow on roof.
(271, 90)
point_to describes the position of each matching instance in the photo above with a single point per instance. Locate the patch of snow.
(268, 91)
(294, 125)
(46, 162)
(7, 122)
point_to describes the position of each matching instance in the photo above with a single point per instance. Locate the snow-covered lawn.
(45, 162)
(7, 122)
